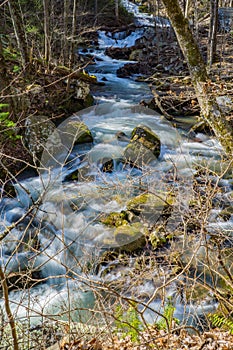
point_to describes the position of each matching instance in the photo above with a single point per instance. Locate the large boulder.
(144, 146)
(38, 129)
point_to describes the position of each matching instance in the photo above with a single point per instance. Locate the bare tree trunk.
(19, 30)
(72, 48)
(3, 72)
(117, 10)
(46, 31)
(8, 309)
(213, 32)
(196, 23)
(96, 8)
(74, 23)
(187, 6)
(65, 38)
(209, 107)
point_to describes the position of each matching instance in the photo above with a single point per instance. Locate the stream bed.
(60, 235)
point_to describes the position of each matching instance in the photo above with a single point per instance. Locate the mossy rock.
(159, 237)
(131, 237)
(77, 131)
(136, 55)
(89, 101)
(226, 213)
(115, 219)
(152, 206)
(38, 130)
(144, 146)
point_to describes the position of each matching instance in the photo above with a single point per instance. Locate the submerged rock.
(144, 146)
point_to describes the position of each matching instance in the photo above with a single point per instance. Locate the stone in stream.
(152, 207)
(107, 165)
(144, 146)
(131, 237)
(76, 131)
(115, 219)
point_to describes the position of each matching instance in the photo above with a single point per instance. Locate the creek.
(62, 237)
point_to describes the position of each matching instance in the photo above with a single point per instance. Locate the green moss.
(159, 237)
(131, 237)
(226, 213)
(115, 219)
(150, 201)
(79, 131)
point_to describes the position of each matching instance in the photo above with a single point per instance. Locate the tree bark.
(213, 31)
(19, 30)
(3, 71)
(210, 110)
(74, 22)
(46, 31)
(65, 38)
(117, 10)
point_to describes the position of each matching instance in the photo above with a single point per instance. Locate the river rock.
(115, 219)
(152, 207)
(144, 146)
(137, 55)
(76, 132)
(133, 68)
(38, 129)
(118, 52)
(107, 165)
(82, 90)
(131, 237)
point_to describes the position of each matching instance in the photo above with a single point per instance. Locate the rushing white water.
(145, 19)
(108, 39)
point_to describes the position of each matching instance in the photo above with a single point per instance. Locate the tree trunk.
(3, 72)
(74, 22)
(72, 48)
(213, 32)
(209, 108)
(117, 10)
(46, 31)
(19, 30)
(65, 38)
(186, 8)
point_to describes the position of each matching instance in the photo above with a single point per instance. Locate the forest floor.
(154, 339)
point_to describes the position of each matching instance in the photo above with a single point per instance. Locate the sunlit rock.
(131, 237)
(144, 146)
